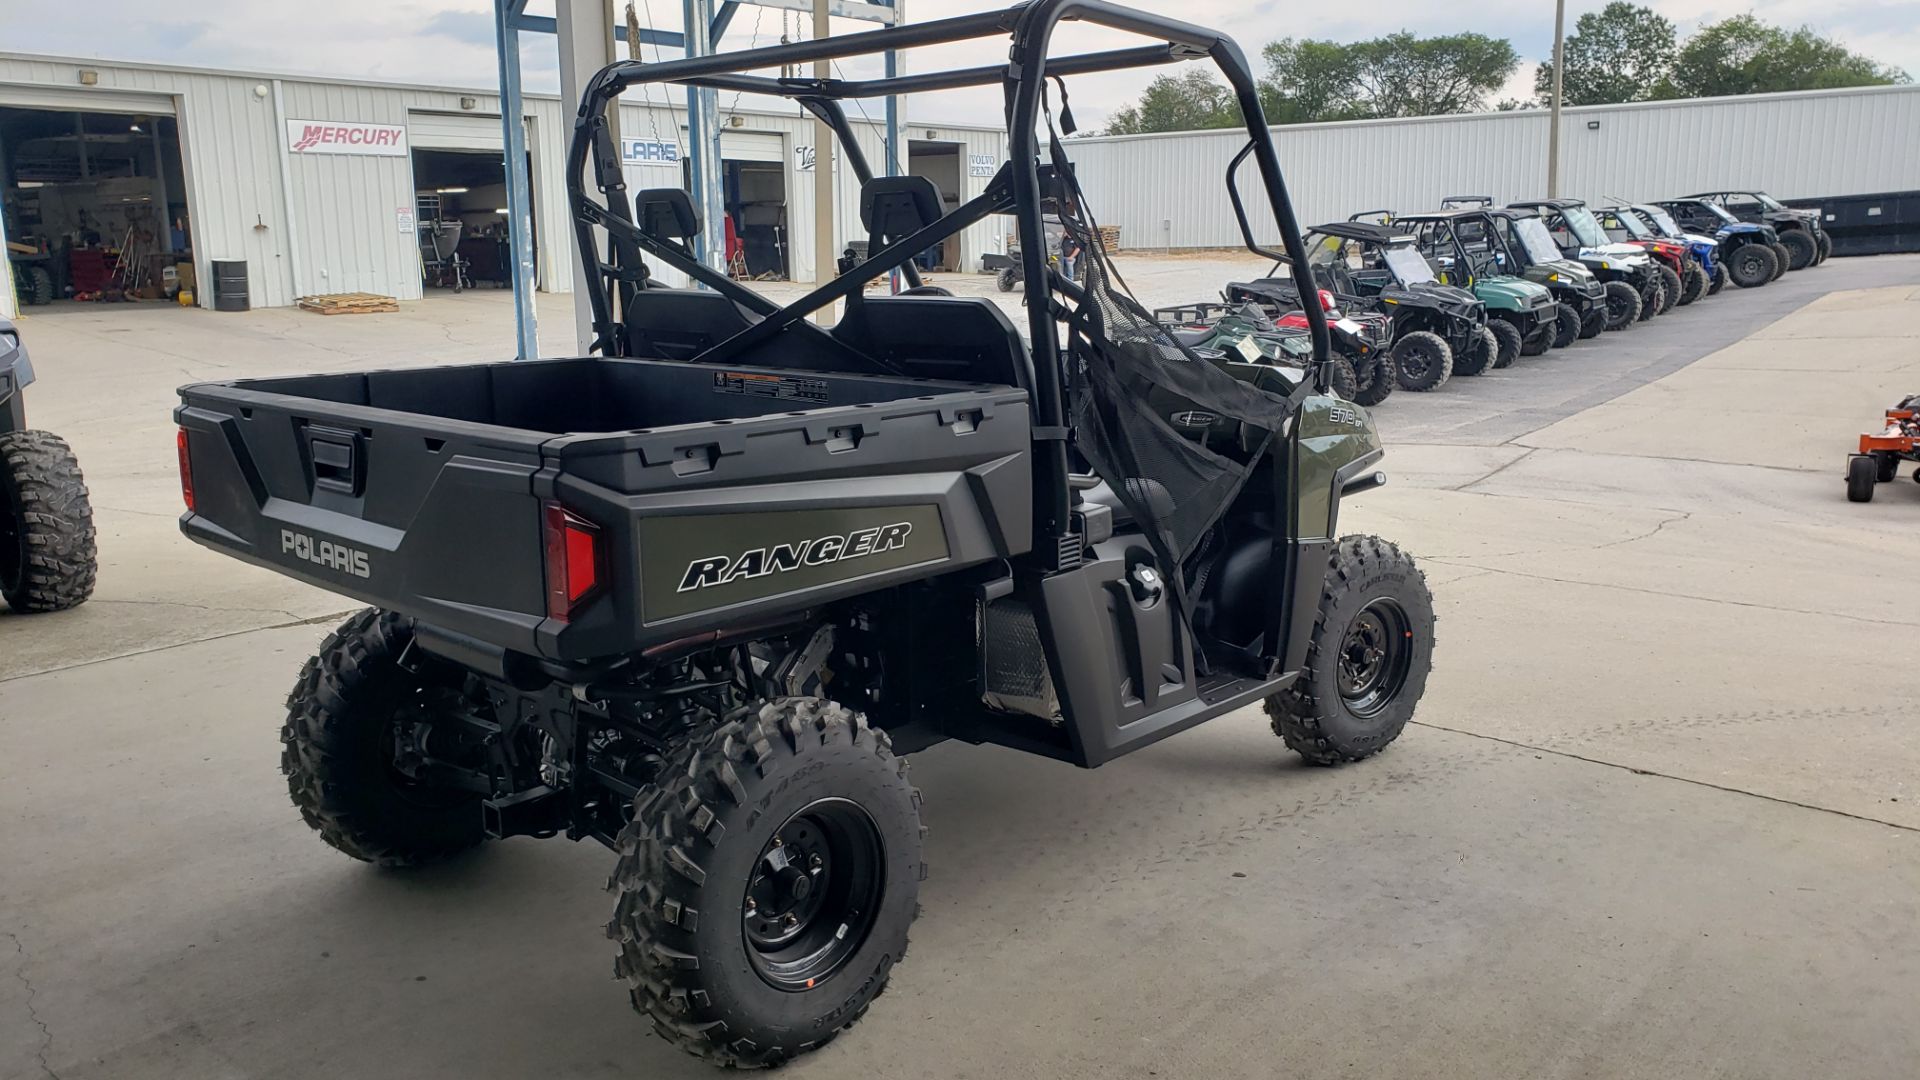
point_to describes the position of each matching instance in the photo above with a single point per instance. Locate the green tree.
(1620, 53)
(1186, 102)
(1309, 81)
(1743, 55)
(1396, 75)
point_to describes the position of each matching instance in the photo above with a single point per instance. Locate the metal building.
(1799, 145)
(318, 184)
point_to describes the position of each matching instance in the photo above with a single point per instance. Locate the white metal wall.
(343, 234)
(1830, 142)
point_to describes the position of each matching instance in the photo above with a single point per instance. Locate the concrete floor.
(1658, 817)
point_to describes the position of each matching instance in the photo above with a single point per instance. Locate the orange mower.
(1881, 452)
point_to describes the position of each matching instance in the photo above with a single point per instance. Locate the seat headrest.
(898, 206)
(666, 214)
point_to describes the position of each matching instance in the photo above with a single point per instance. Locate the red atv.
(1673, 258)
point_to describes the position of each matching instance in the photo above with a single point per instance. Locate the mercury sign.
(346, 137)
(649, 152)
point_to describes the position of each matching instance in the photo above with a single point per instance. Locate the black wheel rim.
(813, 894)
(1376, 653)
(1618, 306)
(1416, 362)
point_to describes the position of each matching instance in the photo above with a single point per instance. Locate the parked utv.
(1521, 244)
(1634, 284)
(1750, 252)
(1521, 314)
(1704, 251)
(1673, 258)
(1377, 268)
(1806, 242)
(694, 595)
(1249, 333)
(46, 531)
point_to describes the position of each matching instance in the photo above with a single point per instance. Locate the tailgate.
(426, 515)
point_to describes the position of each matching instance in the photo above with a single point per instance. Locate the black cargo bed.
(422, 490)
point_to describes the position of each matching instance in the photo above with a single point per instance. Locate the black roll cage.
(1017, 188)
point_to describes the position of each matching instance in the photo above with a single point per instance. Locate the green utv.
(1370, 267)
(693, 596)
(1520, 243)
(1522, 315)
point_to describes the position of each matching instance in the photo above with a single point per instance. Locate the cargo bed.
(712, 494)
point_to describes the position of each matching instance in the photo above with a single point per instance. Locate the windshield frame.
(1630, 222)
(1584, 226)
(1538, 233)
(1769, 201)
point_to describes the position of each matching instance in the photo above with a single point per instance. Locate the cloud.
(451, 41)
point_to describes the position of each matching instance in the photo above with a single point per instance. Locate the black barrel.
(230, 285)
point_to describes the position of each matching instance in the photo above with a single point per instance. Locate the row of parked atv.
(1416, 298)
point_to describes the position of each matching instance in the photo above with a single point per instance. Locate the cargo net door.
(1128, 379)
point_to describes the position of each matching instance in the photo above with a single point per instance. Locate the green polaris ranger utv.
(1520, 243)
(693, 595)
(1523, 315)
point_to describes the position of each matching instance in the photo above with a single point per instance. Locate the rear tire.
(1862, 475)
(1422, 361)
(1695, 284)
(781, 795)
(1783, 260)
(1623, 305)
(47, 558)
(1342, 379)
(35, 284)
(1802, 249)
(1753, 265)
(1670, 285)
(1566, 326)
(1718, 280)
(1367, 659)
(345, 717)
(1509, 339)
(1477, 357)
(1006, 279)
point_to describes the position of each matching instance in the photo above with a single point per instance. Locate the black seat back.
(678, 324)
(960, 338)
(892, 207)
(666, 214)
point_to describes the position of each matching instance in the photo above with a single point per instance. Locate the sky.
(450, 42)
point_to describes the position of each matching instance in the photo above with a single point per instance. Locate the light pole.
(1559, 72)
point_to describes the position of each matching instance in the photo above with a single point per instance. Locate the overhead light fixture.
(736, 120)
(135, 126)
(1593, 125)
(502, 210)
(450, 191)
(89, 77)
(468, 103)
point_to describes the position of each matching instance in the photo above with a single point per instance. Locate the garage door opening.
(460, 200)
(756, 202)
(95, 205)
(939, 162)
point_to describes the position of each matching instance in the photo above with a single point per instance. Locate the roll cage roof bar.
(1017, 188)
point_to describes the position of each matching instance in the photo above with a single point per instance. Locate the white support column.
(703, 142)
(585, 30)
(825, 253)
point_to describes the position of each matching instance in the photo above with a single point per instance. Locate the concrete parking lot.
(1658, 816)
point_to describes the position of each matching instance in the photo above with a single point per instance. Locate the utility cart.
(1881, 452)
(694, 595)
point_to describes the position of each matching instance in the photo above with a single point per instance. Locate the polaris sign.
(649, 152)
(346, 137)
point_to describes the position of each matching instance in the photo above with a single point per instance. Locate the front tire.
(1566, 326)
(1670, 285)
(1595, 322)
(1422, 360)
(1802, 250)
(1375, 378)
(47, 557)
(1367, 660)
(347, 717)
(1006, 279)
(1887, 468)
(1782, 260)
(1861, 477)
(1623, 305)
(1479, 355)
(1826, 245)
(1718, 280)
(1510, 342)
(1342, 379)
(1753, 265)
(1694, 285)
(767, 882)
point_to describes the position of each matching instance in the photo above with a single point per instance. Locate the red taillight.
(574, 560)
(186, 471)
(1326, 300)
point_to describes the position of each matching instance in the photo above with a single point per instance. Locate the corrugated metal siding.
(1791, 145)
(344, 206)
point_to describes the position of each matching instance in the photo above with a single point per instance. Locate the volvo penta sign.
(346, 137)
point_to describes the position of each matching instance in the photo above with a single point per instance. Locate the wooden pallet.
(352, 303)
(1109, 238)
